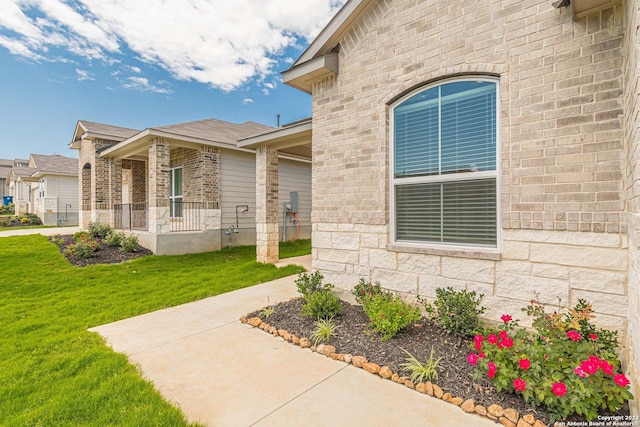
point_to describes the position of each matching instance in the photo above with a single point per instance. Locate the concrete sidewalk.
(225, 373)
(44, 231)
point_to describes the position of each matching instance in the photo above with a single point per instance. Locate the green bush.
(129, 244)
(81, 248)
(78, 235)
(570, 366)
(98, 230)
(113, 238)
(366, 289)
(321, 305)
(323, 330)
(457, 312)
(389, 313)
(310, 283)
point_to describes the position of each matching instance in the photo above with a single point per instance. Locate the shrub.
(113, 238)
(321, 305)
(323, 330)
(310, 283)
(365, 289)
(81, 248)
(129, 244)
(98, 230)
(457, 312)
(419, 371)
(389, 313)
(79, 235)
(569, 365)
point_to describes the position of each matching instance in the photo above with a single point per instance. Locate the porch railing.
(185, 216)
(130, 216)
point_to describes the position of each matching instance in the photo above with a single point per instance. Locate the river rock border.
(508, 417)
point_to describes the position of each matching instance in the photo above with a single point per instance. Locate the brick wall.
(200, 173)
(561, 141)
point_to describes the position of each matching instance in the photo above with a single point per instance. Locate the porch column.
(159, 186)
(267, 233)
(114, 191)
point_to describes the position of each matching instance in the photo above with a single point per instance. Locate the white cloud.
(247, 101)
(142, 84)
(223, 43)
(84, 75)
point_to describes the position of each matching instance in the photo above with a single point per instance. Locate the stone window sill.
(490, 254)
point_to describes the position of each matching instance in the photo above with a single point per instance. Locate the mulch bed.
(104, 255)
(455, 374)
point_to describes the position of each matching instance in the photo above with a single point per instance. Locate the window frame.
(438, 247)
(172, 197)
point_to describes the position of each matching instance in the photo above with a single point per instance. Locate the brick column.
(159, 186)
(267, 234)
(114, 193)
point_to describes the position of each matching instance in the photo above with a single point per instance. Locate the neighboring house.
(183, 188)
(490, 146)
(47, 186)
(5, 172)
(54, 189)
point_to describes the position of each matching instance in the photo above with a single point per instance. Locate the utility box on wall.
(293, 199)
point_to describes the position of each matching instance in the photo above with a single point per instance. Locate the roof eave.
(303, 75)
(289, 136)
(582, 8)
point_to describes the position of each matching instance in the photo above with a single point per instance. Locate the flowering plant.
(564, 366)
(82, 247)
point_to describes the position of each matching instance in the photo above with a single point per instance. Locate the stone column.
(267, 233)
(159, 186)
(114, 193)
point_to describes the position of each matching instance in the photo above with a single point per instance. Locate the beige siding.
(295, 176)
(68, 192)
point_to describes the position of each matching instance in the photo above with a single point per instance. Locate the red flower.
(382, 316)
(525, 363)
(503, 334)
(481, 355)
(519, 384)
(506, 318)
(593, 337)
(472, 358)
(492, 338)
(477, 340)
(621, 380)
(506, 343)
(574, 335)
(559, 389)
(492, 369)
(589, 367)
(606, 367)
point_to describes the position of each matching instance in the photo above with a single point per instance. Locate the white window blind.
(444, 153)
(175, 196)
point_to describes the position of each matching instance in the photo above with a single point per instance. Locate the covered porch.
(292, 139)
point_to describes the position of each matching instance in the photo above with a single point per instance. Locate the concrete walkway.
(44, 231)
(225, 373)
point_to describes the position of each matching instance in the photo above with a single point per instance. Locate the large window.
(444, 165)
(175, 195)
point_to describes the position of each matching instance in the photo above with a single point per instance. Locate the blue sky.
(147, 63)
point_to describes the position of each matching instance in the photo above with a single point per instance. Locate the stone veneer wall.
(632, 147)
(562, 153)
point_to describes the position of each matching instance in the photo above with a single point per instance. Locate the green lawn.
(55, 373)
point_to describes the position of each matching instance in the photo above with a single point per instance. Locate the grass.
(53, 371)
(297, 248)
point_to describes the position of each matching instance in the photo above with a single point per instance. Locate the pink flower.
(559, 389)
(477, 341)
(579, 372)
(492, 370)
(519, 384)
(481, 355)
(503, 334)
(492, 338)
(621, 380)
(472, 358)
(574, 335)
(589, 367)
(525, 363)
(507, 342)
(506, 318)
(593, 337)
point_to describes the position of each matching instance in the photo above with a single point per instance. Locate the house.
(487, 145)
(5, 171)
(187, 187)
(47, 186)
